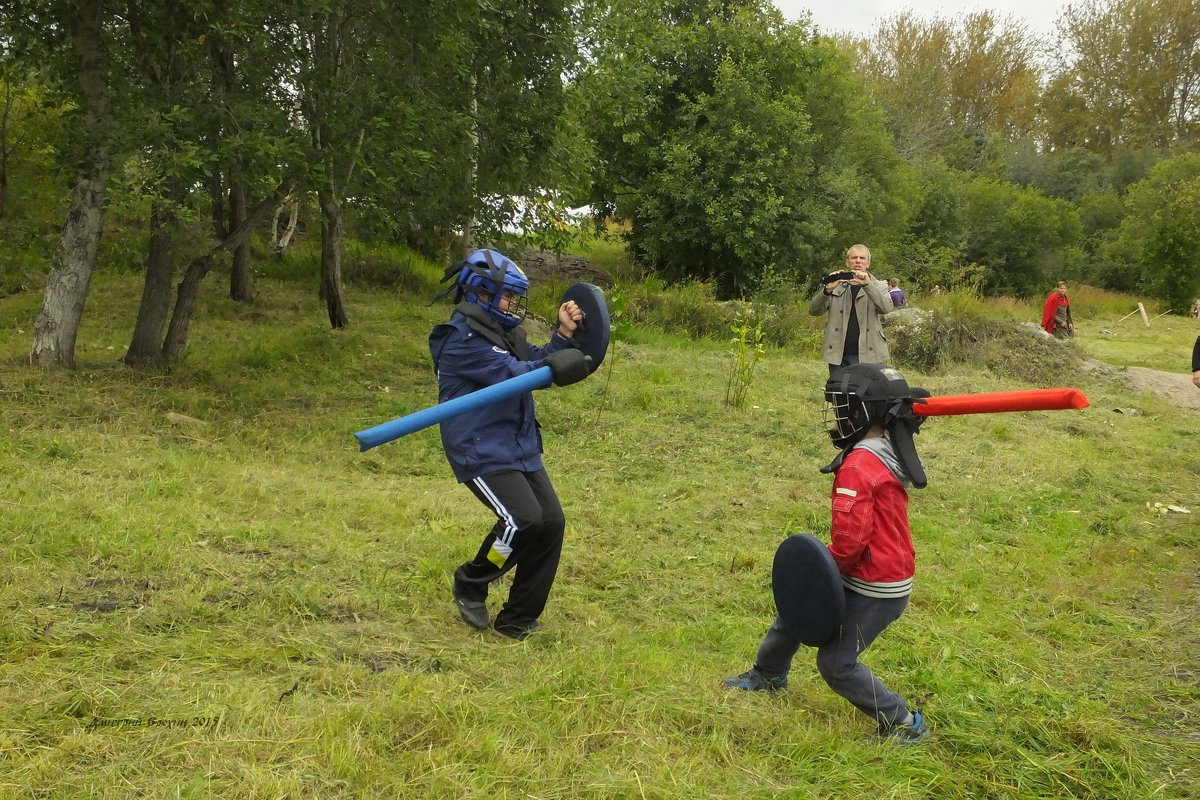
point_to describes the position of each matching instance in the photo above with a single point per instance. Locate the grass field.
(209, 592)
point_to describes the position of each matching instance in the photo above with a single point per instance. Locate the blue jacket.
(470, 352)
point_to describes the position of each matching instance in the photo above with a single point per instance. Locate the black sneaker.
(473, 612)
(916, 733)
(754, 681)
(518, 632)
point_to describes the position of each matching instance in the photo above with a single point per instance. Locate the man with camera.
(855, 303)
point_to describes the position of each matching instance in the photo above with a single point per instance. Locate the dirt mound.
(541, 265)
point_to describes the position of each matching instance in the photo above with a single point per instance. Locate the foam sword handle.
(989, 402)
(539, 378)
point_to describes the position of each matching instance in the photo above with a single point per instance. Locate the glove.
(568, 366)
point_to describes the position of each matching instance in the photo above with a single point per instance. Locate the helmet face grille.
(495, 275)
(858, 397)
(845, 416)
(518, 308)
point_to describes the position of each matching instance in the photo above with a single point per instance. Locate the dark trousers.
(837, 661)
(527, 537)
(847, 360)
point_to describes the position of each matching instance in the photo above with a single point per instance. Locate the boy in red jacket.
(870, 541)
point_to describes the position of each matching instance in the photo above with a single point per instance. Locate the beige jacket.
(872, 303)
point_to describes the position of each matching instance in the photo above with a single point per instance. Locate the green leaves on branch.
(735, 144)
(1158, 242)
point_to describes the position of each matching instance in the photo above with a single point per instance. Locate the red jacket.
(870, 538)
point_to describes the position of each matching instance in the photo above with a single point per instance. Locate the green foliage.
(395, 267)
(938, 215)
(1021, 237)
(923, 265)
(1157, 247)
(748, 350)
(731, 141)
(618, 330)
(953, 86)
(1127, 75)
(1068, 174)
(688, 309)
(1100, 212)
(29, 231)
(958, 327)
(607, 253)
(1092, 301)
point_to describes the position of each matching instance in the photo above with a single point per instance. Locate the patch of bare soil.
(1176, 388)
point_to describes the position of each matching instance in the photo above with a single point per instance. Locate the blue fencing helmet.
(487, 277)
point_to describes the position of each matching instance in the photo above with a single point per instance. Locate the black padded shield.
(595, 327)
(808, 589)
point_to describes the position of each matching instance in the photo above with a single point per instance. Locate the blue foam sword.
(539, 378)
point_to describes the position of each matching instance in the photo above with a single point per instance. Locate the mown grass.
(210, 592)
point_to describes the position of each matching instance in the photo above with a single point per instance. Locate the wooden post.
(1145, 319)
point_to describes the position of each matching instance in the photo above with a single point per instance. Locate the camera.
(843, 275)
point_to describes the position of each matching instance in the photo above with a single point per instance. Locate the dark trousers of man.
(847, 360)
(527, 537)
(837, 661)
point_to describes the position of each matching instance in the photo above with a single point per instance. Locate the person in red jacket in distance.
(1056, 313)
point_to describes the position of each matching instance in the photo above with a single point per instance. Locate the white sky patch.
(860, 16)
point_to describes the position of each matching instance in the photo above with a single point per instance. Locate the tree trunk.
(283, 240)
(331, 258)
(145, 349)
(57, 324)
(216, 194)
(224, 91)
(175, 344)
(241, 280)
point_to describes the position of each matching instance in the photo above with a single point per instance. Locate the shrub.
(689, 309)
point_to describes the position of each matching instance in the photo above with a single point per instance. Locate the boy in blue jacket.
(497, 450)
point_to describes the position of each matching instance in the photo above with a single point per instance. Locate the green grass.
(210, 592)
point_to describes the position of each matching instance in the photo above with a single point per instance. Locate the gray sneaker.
(754, 681)
(916, 733)
(473, 612)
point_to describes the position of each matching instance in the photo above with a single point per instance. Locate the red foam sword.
(988, 402)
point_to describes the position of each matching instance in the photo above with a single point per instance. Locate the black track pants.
(527, 537)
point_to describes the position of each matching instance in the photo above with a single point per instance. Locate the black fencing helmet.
(861, 396)
(858, 397)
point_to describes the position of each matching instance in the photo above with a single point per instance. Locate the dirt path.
(1178, 389)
